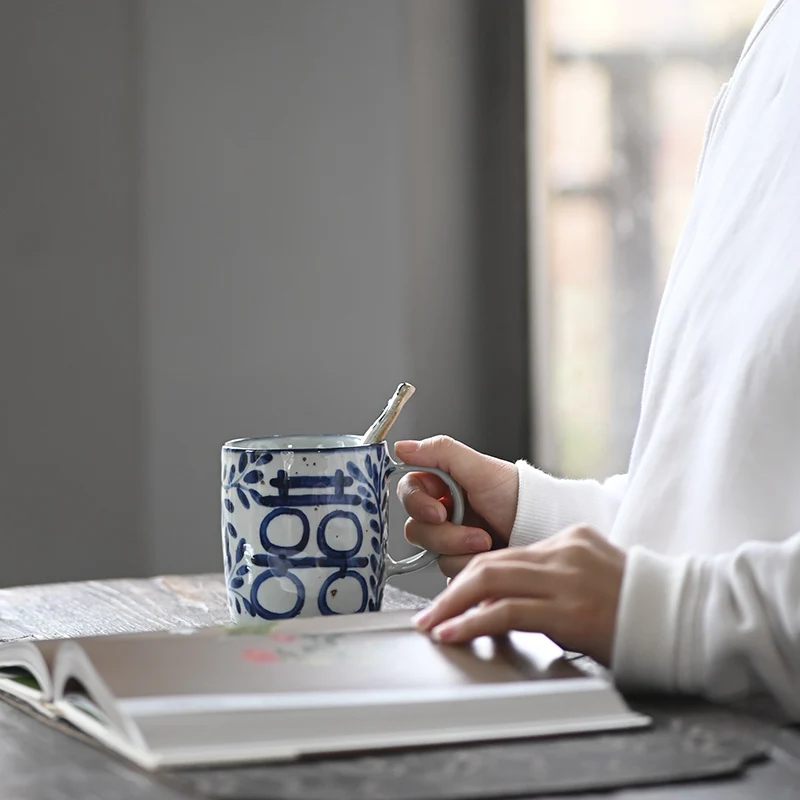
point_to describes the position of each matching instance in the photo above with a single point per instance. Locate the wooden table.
(39, 763)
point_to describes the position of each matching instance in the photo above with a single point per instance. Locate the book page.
(336, 657)
(26, 669)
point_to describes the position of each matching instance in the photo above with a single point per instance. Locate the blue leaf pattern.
(372, 479)
(246, 476)
(228, 506)
(235, 571)
(257, 499)
(355, 472)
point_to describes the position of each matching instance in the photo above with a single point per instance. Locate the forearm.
(546, 505)
(723, 626)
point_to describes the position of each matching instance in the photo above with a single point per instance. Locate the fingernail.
(420, 620)
(409, 445)
(479, 543)
(444, 633)
(435, 513)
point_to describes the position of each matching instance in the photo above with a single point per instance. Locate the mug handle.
(420, 560)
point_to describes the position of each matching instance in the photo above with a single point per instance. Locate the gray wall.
(275, 239)
(72, 452)
(324, 209)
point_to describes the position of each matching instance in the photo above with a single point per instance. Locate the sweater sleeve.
(546, 505)
(723, 626)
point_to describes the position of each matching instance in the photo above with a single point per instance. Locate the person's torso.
(716, 460)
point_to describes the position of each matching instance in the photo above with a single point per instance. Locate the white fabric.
(709, 511)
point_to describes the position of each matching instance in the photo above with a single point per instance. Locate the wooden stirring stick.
(378, 430)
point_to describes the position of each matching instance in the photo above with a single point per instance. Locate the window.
(622, 92)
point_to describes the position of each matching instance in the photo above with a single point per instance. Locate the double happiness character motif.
(321, 529)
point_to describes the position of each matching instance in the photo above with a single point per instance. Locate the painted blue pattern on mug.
(239, 478)
(288, 561)
(235, 570)
(305, 525)
(282, 561)
(372, 477)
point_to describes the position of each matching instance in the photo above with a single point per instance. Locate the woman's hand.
(566, 587)
(490, 492)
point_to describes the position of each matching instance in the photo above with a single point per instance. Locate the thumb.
(468, 467)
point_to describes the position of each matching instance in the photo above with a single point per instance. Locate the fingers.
(448, 539)
(504, 555)
(419, 493)
(450, 566)
(488, 579)
(424, 496)
(496, 619)
(567, 587)
(467, 466)
(430, 483)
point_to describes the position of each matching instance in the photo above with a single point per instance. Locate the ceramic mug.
(304, 525)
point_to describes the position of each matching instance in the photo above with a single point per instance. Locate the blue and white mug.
(305, 525)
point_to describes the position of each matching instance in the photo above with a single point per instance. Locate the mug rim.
(239, 445)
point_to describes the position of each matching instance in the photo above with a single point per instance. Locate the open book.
(304, 686)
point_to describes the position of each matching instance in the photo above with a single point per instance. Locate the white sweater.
(709, 511)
